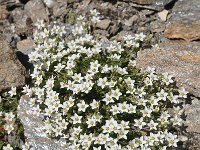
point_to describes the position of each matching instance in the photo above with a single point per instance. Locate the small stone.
(131, 20)
(157, 26)
(60, 8)
(26, 46)
(114, 29)
(36, 10)
(20, 18)
(163, 15)
(103, 24)
(50, 3)
(3, 13)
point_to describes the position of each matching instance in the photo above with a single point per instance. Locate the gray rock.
(185, 21)
(12, 73)
(3, 13)
(36, 10)
(157, 5)
(192, 116)
(34, 128)
(60, 8)
(193, 142)
(131, 20)
(103, 24)
(157, 26)
(182, 60)
(26, 46)
(20, 18)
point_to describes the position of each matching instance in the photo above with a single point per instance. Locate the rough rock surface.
(36, 10)
(182, 60)
(192, 123)
(185, 21)
(12, 73)
(153, 4)
(26, 46)
(34, 128)
(192, 116)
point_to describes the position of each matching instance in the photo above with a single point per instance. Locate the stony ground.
(173, 24)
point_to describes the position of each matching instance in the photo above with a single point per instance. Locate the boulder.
(36, 10)
(185, 21)
(180, 59)
(12, 72)
(34, 128)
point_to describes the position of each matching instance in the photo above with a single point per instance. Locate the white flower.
(162, 95)
(102, 82)
(7, 147)
(132, 109)
(116, 93)
(139, 123)
(77, 77)
(115, 110)
(91, 122)
(36, 110)
(94, 104)
(132, 63)
(59, 67)
(183, 93)
(9, 128)
(82, 106)
(140, 37)
(25, 146)
(94, 12)
(173, 98)
(76, 119)
(146, 112)
(12, 92)
(152, 125)
(167, 78)
(108, 99)
(9, 117)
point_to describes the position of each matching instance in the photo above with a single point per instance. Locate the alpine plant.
(93, 97)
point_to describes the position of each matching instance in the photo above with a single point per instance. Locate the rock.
(163, 15)
(181, 30)
(192, 116)
(144, 2)
(185, 21)
(26, 46)
(157, 26)
(12, 73)
(60, 8)
(50, 3)
(34, 128)
(193, 142)
(182, 60)
(20, 18)
(3, 13)
(114, 29)
(36, 10)
(10, 3)
(103, 24)
(131, 20)
(157, 5)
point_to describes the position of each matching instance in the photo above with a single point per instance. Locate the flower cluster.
(10, 126)
(93, 97)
